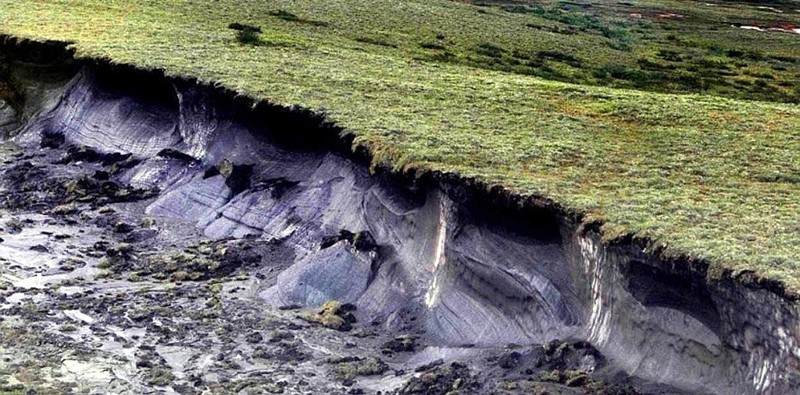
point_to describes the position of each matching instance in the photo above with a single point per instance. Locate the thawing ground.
(97, 297)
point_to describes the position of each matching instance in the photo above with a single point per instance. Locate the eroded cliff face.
(459, 268)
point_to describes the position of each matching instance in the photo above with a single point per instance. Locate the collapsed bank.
(462, 265)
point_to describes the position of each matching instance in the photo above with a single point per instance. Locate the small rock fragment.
(254, 337)
(403, 343)
(510, 360)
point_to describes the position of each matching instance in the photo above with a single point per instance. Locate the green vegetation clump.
(348, 368)
(160, 376)
(247, 34)
(709, 175)
(333, 315)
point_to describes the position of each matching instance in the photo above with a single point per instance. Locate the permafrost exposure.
(190, 237)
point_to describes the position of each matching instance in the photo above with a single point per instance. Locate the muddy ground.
(98, 298)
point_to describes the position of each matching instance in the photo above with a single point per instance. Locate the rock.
(70, 264)
(254, 337)
(175, 154)
(122, 227)
(13, 226)
(570, 356)
(510, 360)
(144, 363)
(140, 235)
(282, 352)
(147, 222)
(441, 380)
(64, 209)
(429, 366)
(403, 343)
(39, 248)
(279, 336)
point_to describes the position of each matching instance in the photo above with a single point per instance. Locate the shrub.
(744, 54)
(787, 59)
(561, 57)
(244, 27)
(435, 46)
(246, 34)
(766, 76)
(647, 64)
(490, 50)
(248, 37)
(712, 64)
(520, 55)
(519, 9)
(761, 84)
(670, 56)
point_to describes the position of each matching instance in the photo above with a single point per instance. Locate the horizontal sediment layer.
(466, 264)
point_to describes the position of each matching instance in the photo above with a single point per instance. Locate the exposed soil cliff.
(237, 211)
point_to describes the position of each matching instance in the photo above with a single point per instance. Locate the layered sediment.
(468, 272)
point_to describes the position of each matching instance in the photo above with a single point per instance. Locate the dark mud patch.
(35, 188)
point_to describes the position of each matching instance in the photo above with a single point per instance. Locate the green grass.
(706, 176)
(662, 45)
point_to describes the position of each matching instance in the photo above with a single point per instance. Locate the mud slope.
(463, 269)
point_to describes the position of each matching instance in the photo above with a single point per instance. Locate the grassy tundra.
(663, 119)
